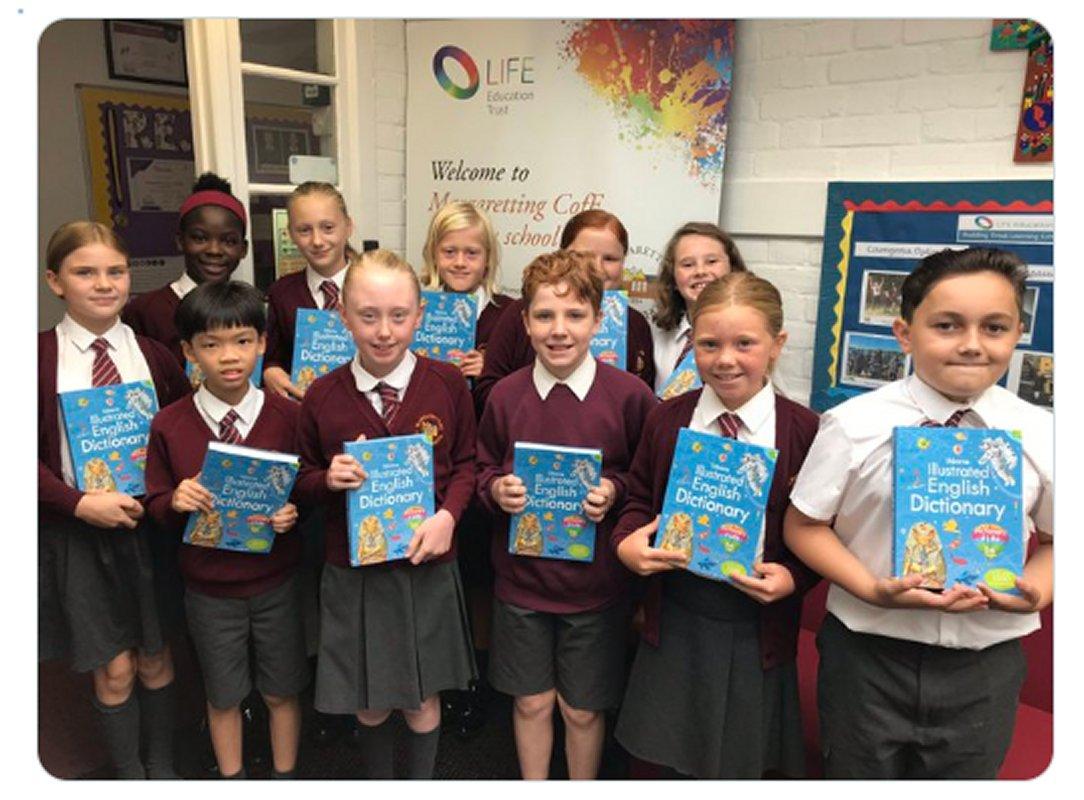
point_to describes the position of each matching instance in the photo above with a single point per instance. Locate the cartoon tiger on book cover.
(207, 532)
(678, 535)
(528, 541)
(96, 476)
(372, 543)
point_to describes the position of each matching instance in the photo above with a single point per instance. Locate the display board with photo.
(870, 360)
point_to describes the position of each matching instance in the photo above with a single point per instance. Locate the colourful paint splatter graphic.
(669, 81)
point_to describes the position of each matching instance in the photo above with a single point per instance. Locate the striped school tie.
(104, 372)
(685, 348)
(952, 422)
(331, 296)
(389, 401)
(227, 428)
(729, 424)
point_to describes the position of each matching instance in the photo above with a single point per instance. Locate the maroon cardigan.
(488, 319)
(511, 349)
(178, 444)
(151, 314)
(795, 427)
(436, 402)
(284, 297)
(57, 500)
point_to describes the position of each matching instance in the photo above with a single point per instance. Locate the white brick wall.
(874, 100)
(814, 101)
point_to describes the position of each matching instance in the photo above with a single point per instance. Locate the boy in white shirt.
(913, 683)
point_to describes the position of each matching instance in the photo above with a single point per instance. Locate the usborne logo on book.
(397, 497)
(448, 323)
(249, 486)
(321, 344)
(959, 515)
(553, 525)
(714, 506)
(108, 429)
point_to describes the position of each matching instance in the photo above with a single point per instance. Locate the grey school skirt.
(701, 704)
(391, 636)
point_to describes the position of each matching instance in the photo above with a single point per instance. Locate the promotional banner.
(876, 233)
(537, 120)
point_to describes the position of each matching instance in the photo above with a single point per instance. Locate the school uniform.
(713, 691)
(913, 692)
(669, 348)
(561, 623)
(96, 586)
(511, 349)
(232, 598)
(284, 297)
(152, 314)
(392, 634)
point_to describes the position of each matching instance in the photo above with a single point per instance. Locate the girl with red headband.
(211, 235)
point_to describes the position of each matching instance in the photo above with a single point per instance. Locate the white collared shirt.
(75, 365)
(580, 381)
(183, 285)
(314, 279)
(667, 347)
(398, 379)
(482, 296)
(848, 474)
(212, 409)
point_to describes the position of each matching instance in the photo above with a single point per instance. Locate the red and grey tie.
(685, 348)
(389, 401)
(104, 372)
(729, 424)
(227, 428)
(952, 422)
(331, 296)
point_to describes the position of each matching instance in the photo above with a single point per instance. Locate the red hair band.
(213, 197)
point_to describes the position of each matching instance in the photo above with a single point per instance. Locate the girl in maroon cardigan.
(211, 235)
(392, 635)
(601, 235)
(320, 228)
(97, 597)
(714, 690)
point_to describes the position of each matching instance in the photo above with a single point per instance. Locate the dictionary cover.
(611, 344)
(447, 329)
(321, 343)
(553, 525)
(195, 374)
(713, 509)
(108, 428)
(959, 513)
(397, 497)
(248, 485)
(683, 379)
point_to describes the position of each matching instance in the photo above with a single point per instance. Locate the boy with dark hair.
(914, 683)
(232, 599)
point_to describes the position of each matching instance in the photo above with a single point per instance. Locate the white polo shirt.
(848, 474)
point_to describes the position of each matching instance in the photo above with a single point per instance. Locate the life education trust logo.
(985, 223)
(445, 80)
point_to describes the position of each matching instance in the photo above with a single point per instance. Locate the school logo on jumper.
(431, 427)
(462, 57)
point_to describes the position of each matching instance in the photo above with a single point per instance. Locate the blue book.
(108, 429)
(959, 512)
(553, 524)
(248, 485)
(684, 379)
(611, 344)
(321, 343)
(195, 374)
(448, 323)
(714, 506)
(394, 500)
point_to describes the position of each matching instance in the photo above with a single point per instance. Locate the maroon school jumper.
(284, 297)
(151, 314)
(436, 403)
(609, 418)
(488, 319)
(179, 439)
(57, 500)
(795, 427)
(511, 349)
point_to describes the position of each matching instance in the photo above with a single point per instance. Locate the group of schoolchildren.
(912, 683)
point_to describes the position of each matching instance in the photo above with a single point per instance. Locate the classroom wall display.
(537, 120)
(139, 154)
(875, 234)
(1035, 130)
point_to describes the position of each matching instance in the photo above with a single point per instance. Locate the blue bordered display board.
(875, 234)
